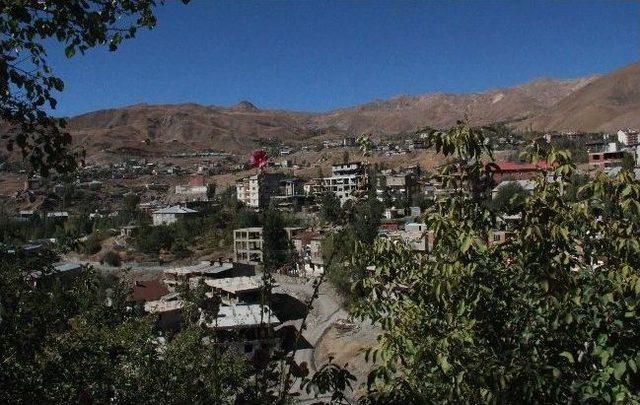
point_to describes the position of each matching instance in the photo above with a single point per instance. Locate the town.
(339, 202)
(161, 226)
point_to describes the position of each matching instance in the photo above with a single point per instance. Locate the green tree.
(509, 198)
(83, 343)
(628, 161)
(365, 218)
(330, 209)
(276, 247)
(548, 317)
(211, 191)
(27, 82)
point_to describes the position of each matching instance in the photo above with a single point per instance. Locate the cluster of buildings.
(239, 316)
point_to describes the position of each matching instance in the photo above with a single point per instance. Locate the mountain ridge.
(592, 103)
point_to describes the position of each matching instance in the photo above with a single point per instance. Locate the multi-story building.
(628, 137)
(399, 186)
(603, 155)
(345, 179)
(256, 191)
(247, 244)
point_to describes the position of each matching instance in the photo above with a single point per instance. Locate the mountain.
(607, 103)
(592, 103)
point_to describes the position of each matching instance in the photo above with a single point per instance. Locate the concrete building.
(604, 154)
(169, 215)
(628, 137)
(247, 244)
(256, 191)
(345, 180)
(308, 244)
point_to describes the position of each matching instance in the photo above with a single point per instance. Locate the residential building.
(628, 137)
(234, 290)
(308, 244)
(242, 328)
(398, 186)
(346, 179)
(604, 154)
(170, 215)
(517, 171)
(247, 244)
(256, 191)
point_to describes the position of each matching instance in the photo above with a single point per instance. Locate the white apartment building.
(345, 180)
(255, 191)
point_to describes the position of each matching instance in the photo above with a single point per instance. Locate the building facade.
(256, 191)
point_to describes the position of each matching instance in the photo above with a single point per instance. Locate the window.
(496, 237)
(248, 348)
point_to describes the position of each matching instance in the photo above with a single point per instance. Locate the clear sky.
(320, 55)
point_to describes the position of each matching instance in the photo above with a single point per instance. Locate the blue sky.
(320, 55)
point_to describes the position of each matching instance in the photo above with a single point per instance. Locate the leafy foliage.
(548, 317)
(70, 340)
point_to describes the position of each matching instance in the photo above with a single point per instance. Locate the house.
(290, 194)
(399, 186)
(147, 290)
(256, 191)
(393, 213)
(628, 137)
(168, 308)
(234, 290)
(308, 244)
(604, 154)
(170, 215)
(415, 236)
(205, 270)
(517, 171)
(244, 328)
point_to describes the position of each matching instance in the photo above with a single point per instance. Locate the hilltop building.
(256, 191)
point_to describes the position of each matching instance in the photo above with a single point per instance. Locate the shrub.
(111, 258)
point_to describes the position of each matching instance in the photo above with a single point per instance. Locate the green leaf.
(568, 356)
(619, 369)
(70, 50)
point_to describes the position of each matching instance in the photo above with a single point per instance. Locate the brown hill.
(593, 103)
(608, 103)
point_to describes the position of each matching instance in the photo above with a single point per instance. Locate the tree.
(276, 246)
(628, 161)
(509, 198)
(211, 191)
(330, 207)
(548, 317)
(366, 218)
(27, 83)
(83, 343)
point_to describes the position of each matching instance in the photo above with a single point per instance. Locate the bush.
(111, 258)
(92, 244)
